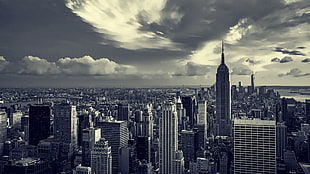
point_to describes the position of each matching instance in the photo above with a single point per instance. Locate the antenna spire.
(223, 62)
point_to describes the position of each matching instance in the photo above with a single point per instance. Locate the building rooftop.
(254, 121)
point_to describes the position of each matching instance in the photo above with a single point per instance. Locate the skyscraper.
(223, 113)
(65, 124)
(3, 129)
(189, 104)
(254, 146)
(65, 132)
(145, 123)
(101, 158)
(202, 123)
(307, 110)
(168, 139)
(116, 133)
(89, 137)
(281, 139)
(39, 123)
(252, 84)
(123, 112)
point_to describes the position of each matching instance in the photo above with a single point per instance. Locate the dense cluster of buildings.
(219, 129)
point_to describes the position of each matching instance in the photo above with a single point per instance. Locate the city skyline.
(146, 43)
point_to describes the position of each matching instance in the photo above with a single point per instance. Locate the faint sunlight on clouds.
(121, 21)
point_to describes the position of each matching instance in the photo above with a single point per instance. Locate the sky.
(145, 43)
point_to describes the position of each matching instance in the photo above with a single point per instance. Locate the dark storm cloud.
(290, 52)
(275, 59)
(194, 69)
(295, 72)
(241, 71)
(286, 59)
(301, 47)
(208, 20)
(306, 60)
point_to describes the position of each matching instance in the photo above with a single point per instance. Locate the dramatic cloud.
(286, 59)
(275, 59)
(3, 63)
(193, 69)
(37, 66)
(238, 31)
(124, 22)
(290, 52)
(241, 71)
(306, 60)
(86, 66)
(295, 72)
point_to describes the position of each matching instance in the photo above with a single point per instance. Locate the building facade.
(254, 146)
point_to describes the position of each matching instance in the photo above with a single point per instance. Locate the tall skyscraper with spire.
(223, 113)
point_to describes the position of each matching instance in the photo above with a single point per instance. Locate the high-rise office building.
(3, 129)
(144, 124)
(189, 105)
(65, 124)
(252, 88)
(123, 111)
(189, 146)
(65, 131)
(143, 147)
(307, 110)
(223, 125)
(89, 137)
(281, 139)
(181, 111)
(254, 146)
(39, 123)
(101, 158)
(116, 133)
(202, 123)
(168, 139)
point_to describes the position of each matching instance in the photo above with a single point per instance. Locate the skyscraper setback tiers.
(223, 125)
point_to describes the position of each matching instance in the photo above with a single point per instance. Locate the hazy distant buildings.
(101, 158)
(168, 137)
(254, 146)
(223, 125)
(39, 123)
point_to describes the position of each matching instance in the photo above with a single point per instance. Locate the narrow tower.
(223, 116)
(252, 83)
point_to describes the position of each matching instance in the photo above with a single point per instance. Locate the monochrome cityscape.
(218, 129)
(154, 87)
